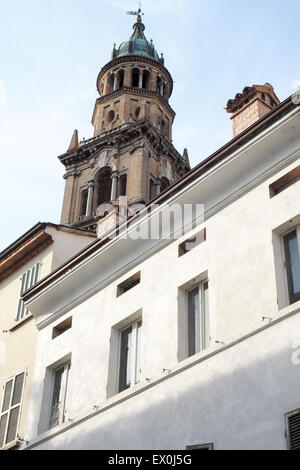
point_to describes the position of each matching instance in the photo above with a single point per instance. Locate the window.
(83, 202)
(291, 244)
(285, 182)
(11, 409)
(62, 327)
(130, 355)
(128, 284)
(192, 243)
(293, 430)
(59, 391)
(201, 447)
(123, 185)
(28, 280)
(197, 319)
(151, 190)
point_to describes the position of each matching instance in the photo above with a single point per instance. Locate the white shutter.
(11, 407)
(28, 280)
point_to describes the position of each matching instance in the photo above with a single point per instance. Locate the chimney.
(250, 106)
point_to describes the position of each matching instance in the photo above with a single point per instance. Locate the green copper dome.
(138, 45)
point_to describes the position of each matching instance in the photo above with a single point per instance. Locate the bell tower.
(131, 152)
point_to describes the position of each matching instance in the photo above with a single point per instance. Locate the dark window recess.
(151, 190)
(293, 430)
(201, 447)
(62, 327)
(83, 202)
(283, 183)
(192, 243)
(292, 261)
(123, 185)
(128, 284)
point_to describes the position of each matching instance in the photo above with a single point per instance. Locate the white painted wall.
(234, 395)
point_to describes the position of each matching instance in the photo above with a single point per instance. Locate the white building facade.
(149, 344)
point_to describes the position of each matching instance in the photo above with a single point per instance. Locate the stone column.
(153, 80)
(157, 189)
(116, 82)
(127, 77)
(141, 79)
(114, 187)
(89, 205)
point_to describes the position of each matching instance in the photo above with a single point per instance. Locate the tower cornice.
(132, 59)
(119, 137)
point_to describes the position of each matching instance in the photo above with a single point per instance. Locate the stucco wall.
(219, 399)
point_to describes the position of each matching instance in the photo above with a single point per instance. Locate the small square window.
(193, 242)
(62, 327)
(285, 182)
(128, 284)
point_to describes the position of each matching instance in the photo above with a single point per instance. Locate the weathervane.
(136, 13)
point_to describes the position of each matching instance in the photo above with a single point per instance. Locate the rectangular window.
(292, 263)
(59, 392)
(197, 319)
(83, 202)
(11, 409)
(28, 280)
(189, 245)
(130, 355)
(123, 185)
(62, 327)
(285, 182)
(128, 284)
(293, 430)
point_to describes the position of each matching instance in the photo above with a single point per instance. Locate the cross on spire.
(138, 13)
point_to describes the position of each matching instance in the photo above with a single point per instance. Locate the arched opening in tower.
(135, 78)
(104, 183)
(146, 79)
(120, 79)
(110, 83)
(160, 86)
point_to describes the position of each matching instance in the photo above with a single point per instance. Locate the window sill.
(16, 325)
(12, 445)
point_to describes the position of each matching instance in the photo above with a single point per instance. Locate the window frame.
(287, 426)
(62, 394)
(288, 278)
(12, 407)
(203, 319)
(34, 270)
(135, 348)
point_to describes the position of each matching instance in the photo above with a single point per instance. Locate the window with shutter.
(59, 393)
(293, 430)
(197, 319)
(11, 409)
(291, 243)
(130, 355)
(28, 280)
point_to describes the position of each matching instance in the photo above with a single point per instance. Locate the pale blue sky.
(52, 51)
